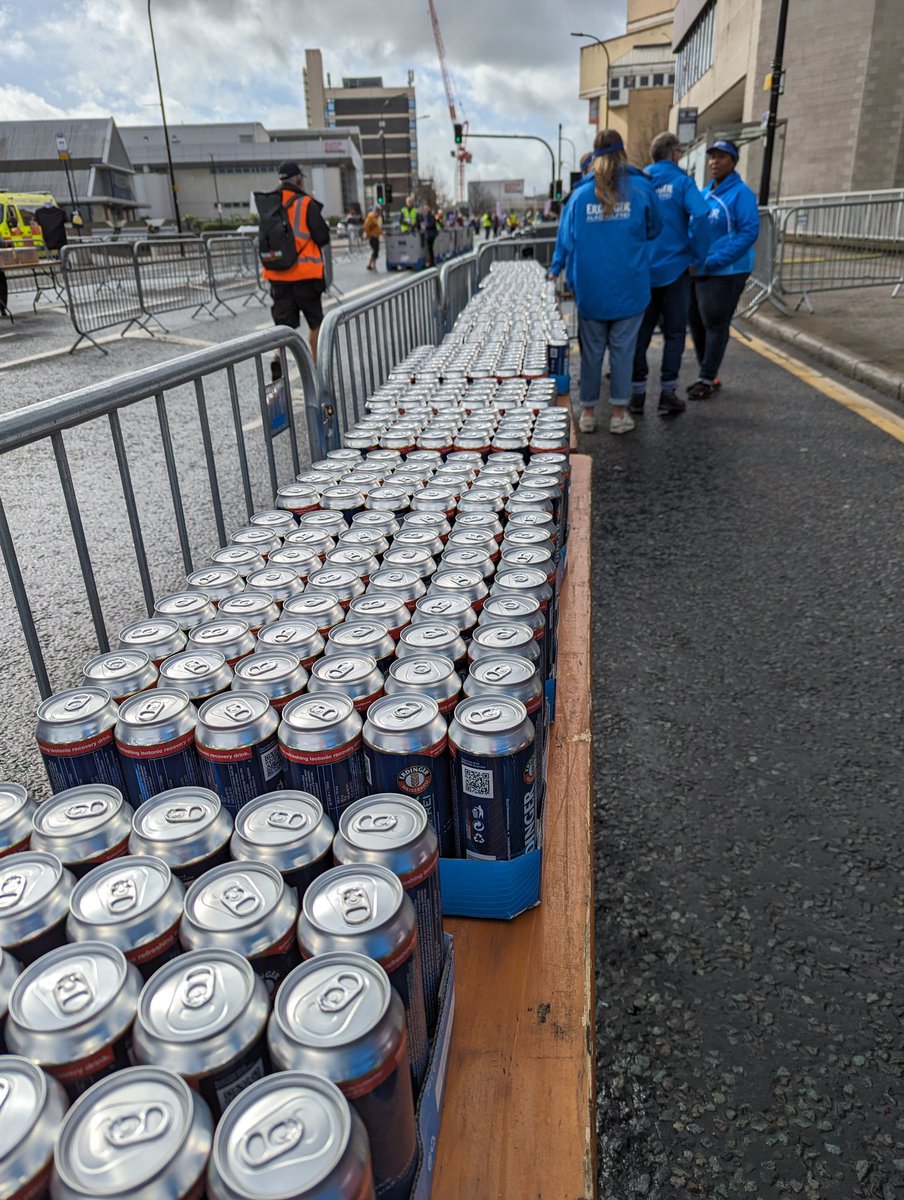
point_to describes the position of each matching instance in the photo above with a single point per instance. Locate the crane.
(462, 155)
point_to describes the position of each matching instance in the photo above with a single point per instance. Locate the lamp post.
(775, 91)
(601, 43)
(169, 157)
(216, 191)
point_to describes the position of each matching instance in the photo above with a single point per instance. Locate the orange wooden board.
(518, 1121)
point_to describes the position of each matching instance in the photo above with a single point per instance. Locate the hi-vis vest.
(409, 219)
(309, 264)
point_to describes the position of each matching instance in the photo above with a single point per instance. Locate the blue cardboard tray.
(499, 890)
(433, 1090)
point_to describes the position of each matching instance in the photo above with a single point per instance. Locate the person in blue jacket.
(683, 210)
(607, 228)
(558, 254)
(734, 225)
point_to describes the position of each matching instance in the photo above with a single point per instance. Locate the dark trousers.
(714, 299)
(429, 239)
(668, 307)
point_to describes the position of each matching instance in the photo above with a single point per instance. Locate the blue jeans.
(619, 337)
(713, 303)
(668, 308)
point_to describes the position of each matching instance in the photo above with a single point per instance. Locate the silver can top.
(243, 906)
(259, 536)
(369, 637)
(529, 581)
(137, 1135)
(275, 519)
(435, 523)
(464, 581)
(412, 558)
(347, 673)
(201, 673)
(297, 496)
(121, 672)
(230, 635)
(302, 560)
(127, 901)
(287, 829)
(314, 723)
(497, 673)
(385, 607)
(401, 581)
(404, 722)
(319, 605)
(504, 637)
(82, 822)
(361, 907)
(389, 829)
(244, 559)
(74, 715)
(286, 1137)
(34, 894)
(253, 606)
(451, 609)
(318, 540)
(361, 558)
(433, 675)
(71, 1001)
(187, 609)
(32, 1105)
(432, 637)
(384, 521)
(16, 811)
(491, 725)
(365, 538)
(158, 636)
(154, 717)
(343, 581)
(294, 635)
(277, 673)
(180, 825)
(199, 1011)
(237, 718)
(327, 521)
(280, 579)
(218, 582)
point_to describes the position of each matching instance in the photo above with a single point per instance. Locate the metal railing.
(457, 284)
(174, 273)
(362, 340)
(235, 270)
(103, 289)
(100, 456)
(41, 280)
(760, 285)
(508, 249)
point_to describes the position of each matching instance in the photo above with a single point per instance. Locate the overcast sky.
(514, 66)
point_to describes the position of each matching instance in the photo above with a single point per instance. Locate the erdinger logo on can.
(414, 779)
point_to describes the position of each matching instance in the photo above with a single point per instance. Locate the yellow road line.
(887, 421)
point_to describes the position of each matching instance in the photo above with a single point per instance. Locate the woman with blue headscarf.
(607, 229)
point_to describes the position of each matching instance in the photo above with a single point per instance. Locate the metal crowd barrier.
(362, 340)
(235, 272)
(457, 284)
(174, 273)
(508, 249)
(103, 289)
(100, 444)
(40, 280)
(760, 285)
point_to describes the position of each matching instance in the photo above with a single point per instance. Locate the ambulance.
(15, 209)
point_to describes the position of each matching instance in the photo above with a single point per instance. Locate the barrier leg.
(87, 337)
(220, 304)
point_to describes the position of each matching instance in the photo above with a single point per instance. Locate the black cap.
(288, 170)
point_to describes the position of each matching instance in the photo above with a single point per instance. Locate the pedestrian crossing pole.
(775, 82)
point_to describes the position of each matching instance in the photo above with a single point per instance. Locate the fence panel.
(103, 289)
(174, 273)
(362, 340)
(235, 271)
(507, 249)
(150, 472)
(457, 284)
(760, 285)
(41, 281)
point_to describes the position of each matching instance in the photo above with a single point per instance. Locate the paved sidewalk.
(859, 333)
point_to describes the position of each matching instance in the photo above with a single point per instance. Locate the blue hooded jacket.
(734, 227)
(558, 254)
(685, 231)
(608, 258)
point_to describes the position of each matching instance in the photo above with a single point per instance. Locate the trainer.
(298, 291)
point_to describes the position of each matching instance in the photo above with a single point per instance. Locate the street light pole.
(601, 43)
(169, 157)
(523, 137)
(216, 191)
(774, 93)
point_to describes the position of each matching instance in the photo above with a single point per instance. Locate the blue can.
(75, 736)
(236, 742)
(155, 737)
(320, 741)
(491, 749)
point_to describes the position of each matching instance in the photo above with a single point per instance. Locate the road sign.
(62, 147)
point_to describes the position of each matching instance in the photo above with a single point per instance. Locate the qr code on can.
(475, 782)
(270, 762)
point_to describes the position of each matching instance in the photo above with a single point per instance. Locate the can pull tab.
(151, 710)
(76, 703)
(197, 666)
(355, 905)
(236, 710)
(483, 716)
(88, 808)
(323, 711)
(198, 987)
(340, 670)
(281, 818)
(130, 1129)
(72, 993)
(267, 667)
(122, 894)
(340, 992)
(267, 1142)
(375, 823)
(12, 889)
(5, 1089)
(183, 814)
(239, 900)
(404, 712)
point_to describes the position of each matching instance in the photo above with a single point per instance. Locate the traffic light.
(574, 179)
(389, 193)
(379, 193)
(458, 137)
(558, 195)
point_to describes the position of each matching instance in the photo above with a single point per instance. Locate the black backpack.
(276, 241)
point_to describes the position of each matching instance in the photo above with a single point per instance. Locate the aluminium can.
(363, 637)
(134, 904)
(320, 741)
(122, 673)
(277, 673)
(519, 678)
(431, 522)
(16, 812)
(406, 751)
(279, 579)
(488, 522)
(411, 558)
(400, 581)
(301, 559)
(506, 637)
(532, 518)
(290, 831)
(155, 737)
(259, 536)
(243, 559)
(10, 968)
(319, 605)
(74, 733)
(339, 1017)
(541, 556)
(491, 750)
(291, 635)
(159, 637)
(431, 675)
(364, 538)
(83, 826)
(141, 1135)
(230, 635)
(218, 582)
(385, 607)
(254, 606)
(478, 557)
(203, 1016)
(434, 637)
(392, 830)
(386, 522)
(200, 673)
(460, 581)
(298, 498)
(290, 1135)
(34, 1105)
(187, 609)
(364, 908)
(451, 610)
(343, 582)
(276, 520)
(319, 540)
(344, 498)
(347, 673)
(71, 1013)
(360, 558)
(244, 906)
(34, 902)
(187, 827)
(332, 523)
(236, 742)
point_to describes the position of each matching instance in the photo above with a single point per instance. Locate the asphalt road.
(748, 692)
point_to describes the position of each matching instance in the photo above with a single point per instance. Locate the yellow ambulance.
(15, 210)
